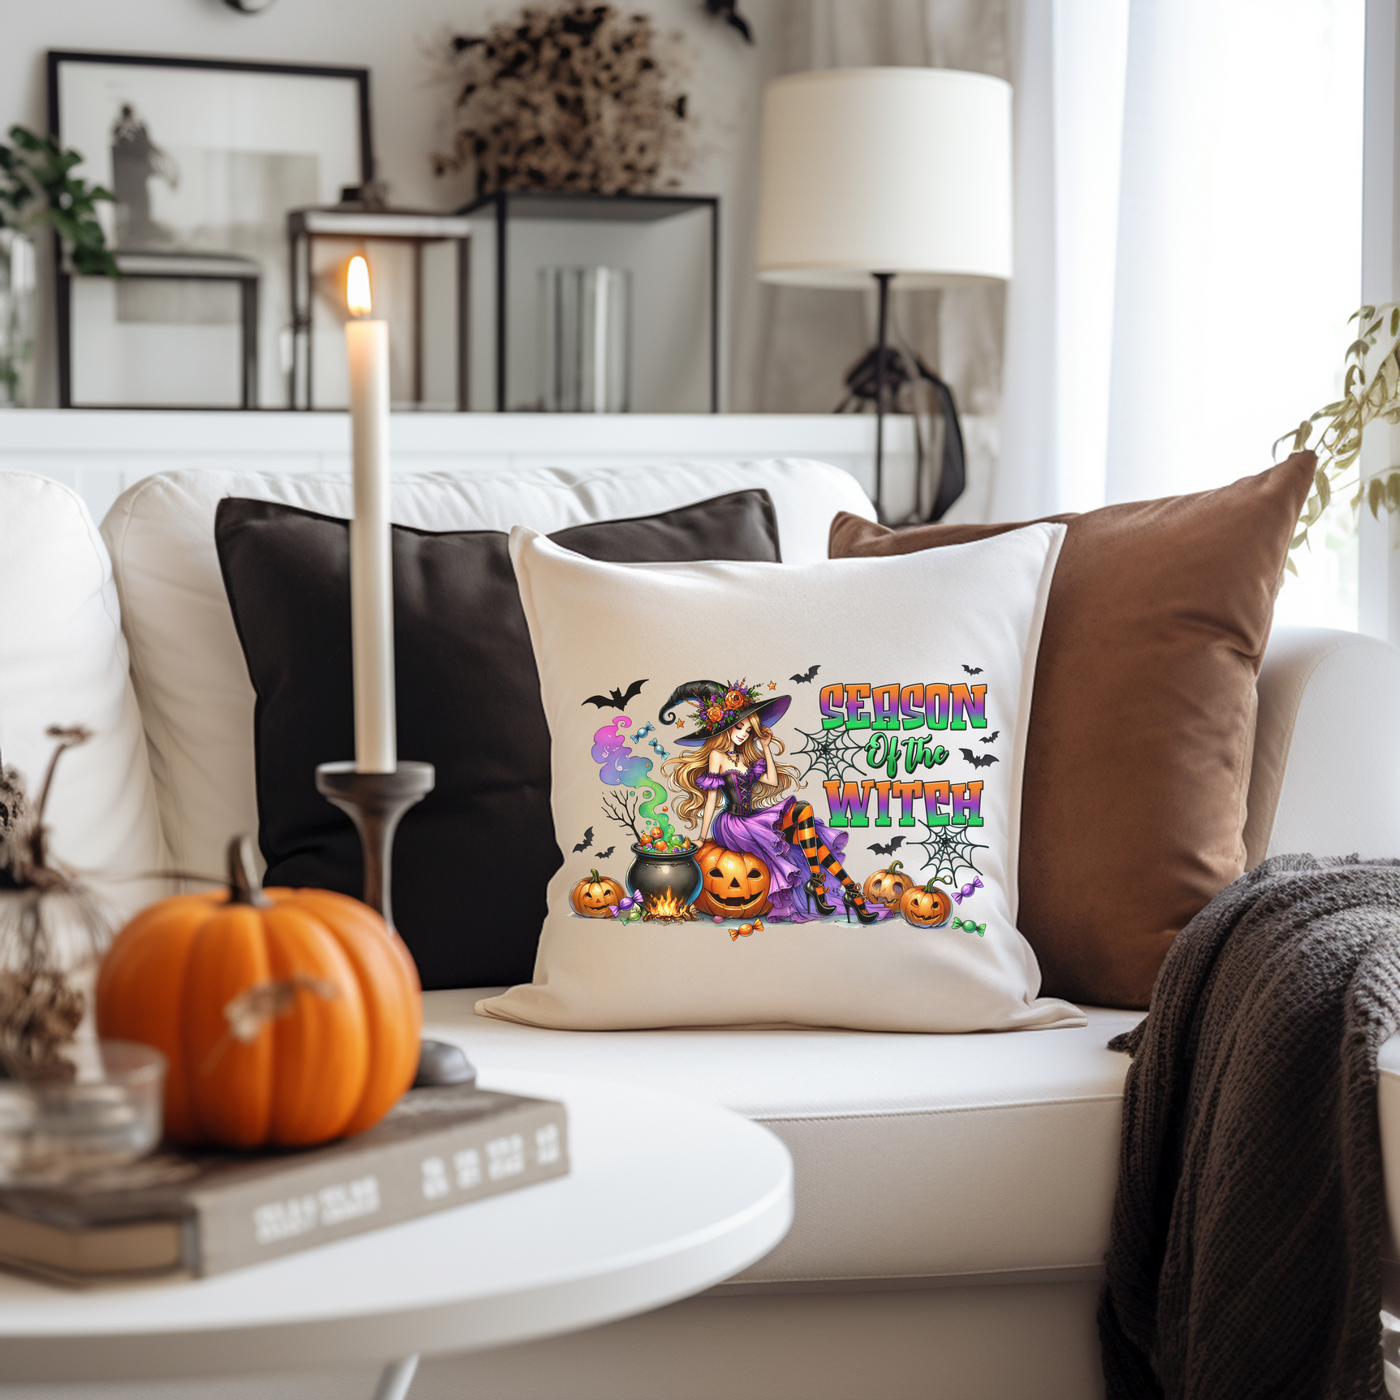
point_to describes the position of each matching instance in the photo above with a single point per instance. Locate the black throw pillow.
(472, 860)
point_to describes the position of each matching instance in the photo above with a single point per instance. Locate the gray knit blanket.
(1244, 1259)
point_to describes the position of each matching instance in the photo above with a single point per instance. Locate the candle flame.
(357, 287)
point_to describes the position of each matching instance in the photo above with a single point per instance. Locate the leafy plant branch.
(1370, 391)
(37, 186)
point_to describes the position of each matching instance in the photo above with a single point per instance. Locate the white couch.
(953, 1192)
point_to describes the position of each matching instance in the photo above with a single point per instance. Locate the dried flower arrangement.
(52, 927)
(580, 98)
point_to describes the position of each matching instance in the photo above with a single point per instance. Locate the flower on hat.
(718, 711)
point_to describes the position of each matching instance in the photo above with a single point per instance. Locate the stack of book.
(201, 1213)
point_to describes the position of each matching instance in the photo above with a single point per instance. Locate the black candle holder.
(376, 802)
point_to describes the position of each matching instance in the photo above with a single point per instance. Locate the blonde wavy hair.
(682, 771)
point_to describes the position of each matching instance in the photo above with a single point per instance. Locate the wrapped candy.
(966, 891)
(969, 927)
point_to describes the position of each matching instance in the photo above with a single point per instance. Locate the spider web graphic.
(948, 850)
(829, 752)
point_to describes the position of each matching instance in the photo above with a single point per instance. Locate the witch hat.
(718, 707)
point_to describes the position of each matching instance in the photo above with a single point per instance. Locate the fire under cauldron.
(655, 874)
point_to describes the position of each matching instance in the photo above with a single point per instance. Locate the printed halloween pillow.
(787, 794)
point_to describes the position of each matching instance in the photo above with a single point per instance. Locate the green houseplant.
(37, 188)
(1370, 391)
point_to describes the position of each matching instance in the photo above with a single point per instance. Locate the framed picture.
(205, 158)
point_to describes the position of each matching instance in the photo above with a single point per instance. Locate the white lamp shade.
(901, 170)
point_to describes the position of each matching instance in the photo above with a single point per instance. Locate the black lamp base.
(376, 802)
(878, 377)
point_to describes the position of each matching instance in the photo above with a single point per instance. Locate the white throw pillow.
(816, 722)
(63, 660)
(191, 679)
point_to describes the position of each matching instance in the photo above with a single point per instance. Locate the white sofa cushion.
(63, 660)
(196, 698)
(916, 1156)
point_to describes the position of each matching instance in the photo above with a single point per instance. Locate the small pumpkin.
(926, 906)
(735, 884)
(591, 897)
(888, 886)
(287, 1017)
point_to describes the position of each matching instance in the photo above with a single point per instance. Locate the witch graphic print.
(729, 777)
(781, 827)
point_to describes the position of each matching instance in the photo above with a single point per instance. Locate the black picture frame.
(57, 59)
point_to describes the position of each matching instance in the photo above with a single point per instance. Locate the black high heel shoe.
(862, 912)
(815, 888)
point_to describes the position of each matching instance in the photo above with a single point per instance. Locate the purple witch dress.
(737, 827)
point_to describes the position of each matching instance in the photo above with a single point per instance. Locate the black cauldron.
(656, 873)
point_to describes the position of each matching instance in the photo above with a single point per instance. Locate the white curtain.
(1188, 246)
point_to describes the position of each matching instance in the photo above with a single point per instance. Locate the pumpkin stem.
(895, 865)
(929, 888)
(593, 877)
(244, 887)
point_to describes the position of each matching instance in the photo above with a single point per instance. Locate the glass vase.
(585, 339)
(18, 293)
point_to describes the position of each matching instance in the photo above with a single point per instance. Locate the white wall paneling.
(100, 454)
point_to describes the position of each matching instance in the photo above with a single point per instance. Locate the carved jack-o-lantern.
(736, 884)
(926, 906)
(591, 897)
(888, 886)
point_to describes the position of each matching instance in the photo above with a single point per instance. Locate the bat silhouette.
(727, 10)
(888, 850)
(979, 760)
(616, 700)
(802, 677)
(587, 840)
(603, 855)
(972, 670)
(991, 738)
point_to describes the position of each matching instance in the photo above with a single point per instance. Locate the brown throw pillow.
(1142, 724)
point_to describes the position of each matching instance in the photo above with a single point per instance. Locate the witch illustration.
(730, 779)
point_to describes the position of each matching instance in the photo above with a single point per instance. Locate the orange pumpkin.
(287, 1017)
(926, 906)
(591, 897)
(736, 884)
(888, 886)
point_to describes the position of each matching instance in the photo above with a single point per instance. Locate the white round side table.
(666, 1197)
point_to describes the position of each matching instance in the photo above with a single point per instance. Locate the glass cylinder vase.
(585, 339)
(18, 293)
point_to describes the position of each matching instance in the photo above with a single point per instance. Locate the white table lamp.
(886, 172)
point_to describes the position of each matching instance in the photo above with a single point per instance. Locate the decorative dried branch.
(39, 1015)
(50, 925)
(581, 98)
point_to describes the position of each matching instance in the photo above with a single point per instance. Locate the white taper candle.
(371, 561)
